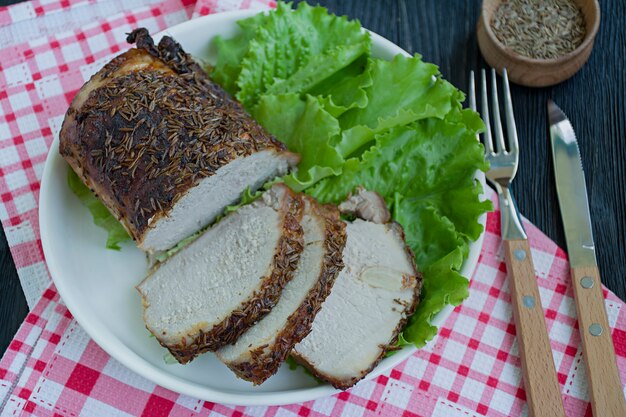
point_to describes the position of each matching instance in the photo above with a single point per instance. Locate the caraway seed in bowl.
(539, 29)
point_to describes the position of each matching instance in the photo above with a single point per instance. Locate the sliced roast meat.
(259, 352)
(164, 147)
(213, 290)
(372, 297)
(366, 205)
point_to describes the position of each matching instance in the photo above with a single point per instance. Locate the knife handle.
(607, 396)
(543, 392)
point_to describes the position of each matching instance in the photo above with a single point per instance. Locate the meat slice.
(373, 296)
(367, 205)
(164, 147)
(213, 290)
(259, 352)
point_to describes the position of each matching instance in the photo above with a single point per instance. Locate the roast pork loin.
(209, 293)
(372, 297)
(259, 352)
(164, 147)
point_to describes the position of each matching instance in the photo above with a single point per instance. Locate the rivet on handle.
(529, 301)
(586, 282)
(520, 254)
(595, 329)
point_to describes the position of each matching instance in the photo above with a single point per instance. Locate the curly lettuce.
(307, 129)
(102, 217)
(291, 51)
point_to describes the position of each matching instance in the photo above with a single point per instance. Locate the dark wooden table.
(443, 31)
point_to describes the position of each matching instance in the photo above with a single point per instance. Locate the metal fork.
(542, 388)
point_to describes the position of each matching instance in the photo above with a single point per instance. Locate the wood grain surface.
(444, 32)
(607, 398)
(543, 392)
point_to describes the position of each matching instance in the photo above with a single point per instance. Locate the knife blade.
(571, 189)
(607, 398)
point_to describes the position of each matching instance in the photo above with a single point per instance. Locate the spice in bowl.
(539, 29)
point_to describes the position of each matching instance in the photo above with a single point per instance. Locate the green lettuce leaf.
(307, 129)
(101, 215)
(443, 285)
(402, 91)
(229, 56)
(425, 158)
(230, 52)
(294, 365)
(292, 51)
(345, 89)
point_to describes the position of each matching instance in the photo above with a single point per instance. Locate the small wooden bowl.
(529, 71)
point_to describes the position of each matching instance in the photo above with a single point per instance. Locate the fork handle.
(543, 392)
(607, 397)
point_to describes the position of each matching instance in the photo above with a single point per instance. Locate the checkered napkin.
(52, 368)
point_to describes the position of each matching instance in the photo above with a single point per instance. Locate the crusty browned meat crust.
(409, 309)
(264, 362)
(285, 262)
(149, 126)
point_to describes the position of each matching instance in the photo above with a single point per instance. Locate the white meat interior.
(201, 285)
(365, 306)
(306, 276)
(204, 202)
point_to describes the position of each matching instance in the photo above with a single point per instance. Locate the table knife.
(607, 397)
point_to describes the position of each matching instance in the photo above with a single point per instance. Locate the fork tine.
(472, 96)
(497, 124)
(472, 91)
(510, 117)
(488, 141)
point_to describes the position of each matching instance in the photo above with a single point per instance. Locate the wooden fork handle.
(607, 397)
(543, 392)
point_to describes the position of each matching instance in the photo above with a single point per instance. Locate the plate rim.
(123, 354)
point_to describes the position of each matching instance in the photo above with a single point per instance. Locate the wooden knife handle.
(543, 392)
(607, 397)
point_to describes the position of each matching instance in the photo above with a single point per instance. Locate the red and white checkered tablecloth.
(49, 48)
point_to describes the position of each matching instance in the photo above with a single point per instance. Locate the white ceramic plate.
(97, 284)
